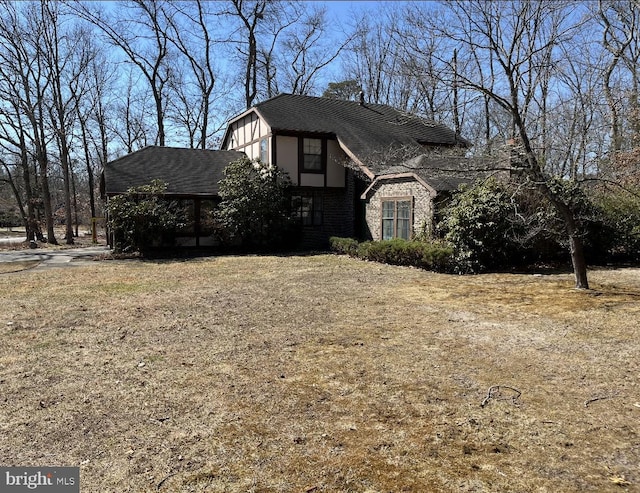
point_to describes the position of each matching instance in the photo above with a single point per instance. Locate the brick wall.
(339, 215)
(399, 187)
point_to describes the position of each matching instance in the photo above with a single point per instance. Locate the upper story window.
(264, 150)
(312, 155)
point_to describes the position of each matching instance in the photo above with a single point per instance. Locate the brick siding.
(400, 187)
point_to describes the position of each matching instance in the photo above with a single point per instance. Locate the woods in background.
(83, 83)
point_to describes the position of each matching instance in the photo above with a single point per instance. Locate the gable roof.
(186, 171)
(363, 130)
(437, 173)
(445, 173)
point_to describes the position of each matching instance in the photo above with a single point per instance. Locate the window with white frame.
(264, 150)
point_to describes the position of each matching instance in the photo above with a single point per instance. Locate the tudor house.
(358, 169)
(349, 163)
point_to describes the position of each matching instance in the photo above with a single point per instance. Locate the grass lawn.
(320, 374)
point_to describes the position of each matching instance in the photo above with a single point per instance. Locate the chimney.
(361, 98)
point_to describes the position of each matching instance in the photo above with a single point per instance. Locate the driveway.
(50, 258)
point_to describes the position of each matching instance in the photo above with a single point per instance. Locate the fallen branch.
(599, 398)
(162, 482)
(494, 390)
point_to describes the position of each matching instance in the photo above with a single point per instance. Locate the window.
(188, 210)
(207, 217)
(396, 218)
(264, 151)
(311, 155)
(307, 209)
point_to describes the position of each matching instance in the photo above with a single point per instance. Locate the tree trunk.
(87, 158)
(157, 96)
(26, 219)
(43, 168)
(66, 179)
(31, 223)
(578, 261)
(46, 199)
(576, 247)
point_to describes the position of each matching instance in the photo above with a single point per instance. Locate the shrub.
(143, 218)
(343, 246)
(614, 235)
(425, 255)
(254, 210)
(477, 223)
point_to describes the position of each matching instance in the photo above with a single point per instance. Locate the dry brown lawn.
(320, 374)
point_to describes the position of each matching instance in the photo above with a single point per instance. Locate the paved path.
(53, 257)
(10, 240)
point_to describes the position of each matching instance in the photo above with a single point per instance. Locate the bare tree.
(306, 51)
(130, 125)
(140, 30)
(23, 61)
(522, 38)
(13, 145)
(251, 15)
(190, 33)
(577, 142)
(371, 57)
(620, 21)
(66, 59)
(87, 93)
(101, 103)
(431, 64)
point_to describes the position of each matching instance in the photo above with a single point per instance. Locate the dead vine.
(494, 392)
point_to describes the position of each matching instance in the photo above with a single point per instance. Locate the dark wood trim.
(244, 130)
(300, 159)
(395, 200)
(310, 135)
(253, 142)
(273, 139)
(323, 157)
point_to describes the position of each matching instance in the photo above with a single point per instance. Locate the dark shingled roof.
(186, 171)
(364, 129)
(445, 173)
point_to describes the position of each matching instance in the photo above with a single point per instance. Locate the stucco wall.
(246, 130)
(400, 187)
(335, 164)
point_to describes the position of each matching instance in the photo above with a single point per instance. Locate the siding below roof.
(186, 171)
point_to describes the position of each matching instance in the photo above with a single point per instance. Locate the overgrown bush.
(614, 234)
(254, 211)
(10, 217)
(609, 220)
(478, 224)
(143, 218)
(425, 255)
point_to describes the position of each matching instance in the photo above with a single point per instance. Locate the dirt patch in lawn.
(320, 373)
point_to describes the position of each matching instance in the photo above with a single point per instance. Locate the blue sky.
(344, 10)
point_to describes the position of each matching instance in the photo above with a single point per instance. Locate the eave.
(396, 176)
(355, 159)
